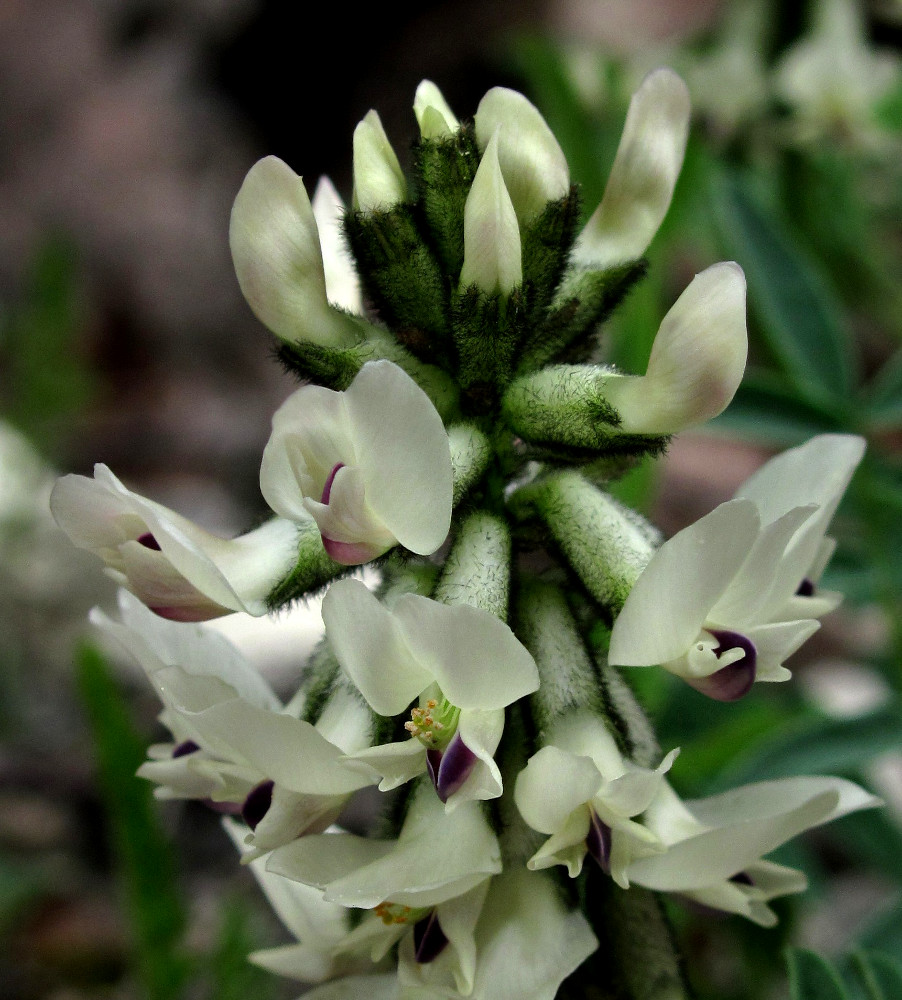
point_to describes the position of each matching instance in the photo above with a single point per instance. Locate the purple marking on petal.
(257, 803)
(450, 768)
(184, 748)
(327, 488)
(348, 553)
(806, 588)
(742, 878)
(598, 842)
(734, 681)
(433, 764)
(224, 808)
(429, 939)
(187, 613)
(148, 541)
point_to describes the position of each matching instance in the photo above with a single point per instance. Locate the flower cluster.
(459, 430)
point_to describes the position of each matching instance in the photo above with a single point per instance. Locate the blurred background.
(126, 127)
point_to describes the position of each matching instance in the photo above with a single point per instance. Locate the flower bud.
(379, 182)
(435, 118)
(643, 177)
(533, 165)
(492, 255)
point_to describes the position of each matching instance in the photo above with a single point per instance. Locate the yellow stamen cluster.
(396, 913)
(422, 724)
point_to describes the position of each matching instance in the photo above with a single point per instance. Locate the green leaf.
(812, 977)
(819, 746)
(881, 974)
(884, 931)
(231, 976)
(883, 397)
(872, 838)
(798, 312)
(43, 379)
(768, 409)
(144, 859)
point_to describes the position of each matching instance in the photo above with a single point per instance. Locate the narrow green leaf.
(819, 746)
(768, 409)
(812, 977)
(884, 931)
(231, 976)
(883, 398)
(797, 310)
(881, 974)
(145, 861)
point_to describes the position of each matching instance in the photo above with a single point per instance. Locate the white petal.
(383, 986)
(436, 857)
(745, 601)
(277, 256)
(202, 575)
(396, 762)
(378, 179)
(310, 436)
(643, 176)
(528, 941)
(776, 642)
(686, 577)
(481, 732)
(554, 784)
(441, 122)
(816, 472)
(156, 643)
(402, 449)
(476, 659)
(492, 252)
(301, 908)
(743, 824)
(567, 846)
(289, 751)
(697, 359)
(372, 649)
(342, 283)
(533, 164)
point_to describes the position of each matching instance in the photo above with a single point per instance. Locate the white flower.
(371, 465)
(526, 943)
(643, 176)
(436, 857)
(431, 881)
(833, 77)
(492, 258)
(582, 791)
(278, 256)
(697, 359)
(714, 846)
(725, 601)
(465, 666)
(176, 568)
(319, 927)
(236, 742)
(532, 163)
